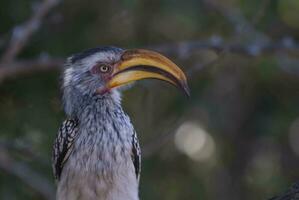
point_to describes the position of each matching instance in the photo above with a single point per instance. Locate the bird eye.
(104, 68)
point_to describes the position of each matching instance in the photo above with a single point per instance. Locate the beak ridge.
(137, 64)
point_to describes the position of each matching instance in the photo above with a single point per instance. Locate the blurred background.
(237, 137)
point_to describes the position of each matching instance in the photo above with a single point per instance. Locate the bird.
(96, 153)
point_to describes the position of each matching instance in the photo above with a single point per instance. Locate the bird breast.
(100, 165)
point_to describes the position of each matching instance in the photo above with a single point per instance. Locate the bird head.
(100, 71)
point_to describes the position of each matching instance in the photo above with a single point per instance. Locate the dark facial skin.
(104, 71)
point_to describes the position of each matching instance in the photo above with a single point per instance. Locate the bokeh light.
(192, 140)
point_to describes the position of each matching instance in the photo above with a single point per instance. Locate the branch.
(30, 177)
(22, 33)
(13, 69)
(187, 48)
(181, 50)
(291, 194)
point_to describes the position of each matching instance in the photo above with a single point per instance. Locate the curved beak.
(140, 64)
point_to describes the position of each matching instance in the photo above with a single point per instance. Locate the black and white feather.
(136, 155)
(63, 145)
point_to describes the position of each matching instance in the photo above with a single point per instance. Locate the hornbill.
(96, 153)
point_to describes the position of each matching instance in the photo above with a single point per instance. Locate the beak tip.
(186, 89)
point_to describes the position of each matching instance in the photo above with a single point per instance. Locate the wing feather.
(63, 145)
(136, 155)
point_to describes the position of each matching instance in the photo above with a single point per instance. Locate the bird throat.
(105, 131)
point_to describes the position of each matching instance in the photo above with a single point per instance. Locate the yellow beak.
(140, 64)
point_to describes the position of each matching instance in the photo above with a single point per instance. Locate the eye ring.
(103, 68)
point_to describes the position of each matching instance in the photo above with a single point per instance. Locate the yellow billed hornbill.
(96, 153)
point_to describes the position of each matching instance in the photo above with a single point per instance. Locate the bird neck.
(76, 105)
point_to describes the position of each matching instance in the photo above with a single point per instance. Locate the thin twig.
(22, 33)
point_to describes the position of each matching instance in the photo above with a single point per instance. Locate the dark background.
(237, 137)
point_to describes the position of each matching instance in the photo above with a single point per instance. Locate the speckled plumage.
(96, 153)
